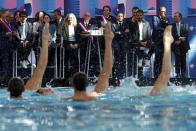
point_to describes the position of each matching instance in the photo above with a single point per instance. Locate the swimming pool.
(121, 109)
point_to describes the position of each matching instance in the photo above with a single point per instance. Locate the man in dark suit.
(181, 44)
(84, 26)
(101, 23)
(159, 24)
(120, 46)
(59, 22)
(6, 40)
(132, 19)
(107, 16)
(132, 56)
(24, 37)
(3, 13)
(142, 36)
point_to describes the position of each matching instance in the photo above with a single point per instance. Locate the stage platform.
(139, 82)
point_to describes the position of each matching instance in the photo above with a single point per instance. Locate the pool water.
(120, 109)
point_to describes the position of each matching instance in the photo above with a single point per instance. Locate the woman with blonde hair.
(70, 37)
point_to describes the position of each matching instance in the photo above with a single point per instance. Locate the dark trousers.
(180, 61)
(141, 56)
(4, 53)
(158, 62)
(71, 56)
(83, 52)
(49, 73)
(23, 52)
(119, 51)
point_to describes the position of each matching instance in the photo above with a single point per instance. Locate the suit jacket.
(112, 19)
(146, 33)
(59, 32)
(65, 32)
(3, 33)
(90, 26)
(5, 40)
(28, 32)
(52, 31)
(117, 28)
(183, 33)
(159, 26)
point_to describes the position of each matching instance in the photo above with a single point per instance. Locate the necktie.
(120, 24)
(178, 28)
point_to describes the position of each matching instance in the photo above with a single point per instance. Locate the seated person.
(24, 37)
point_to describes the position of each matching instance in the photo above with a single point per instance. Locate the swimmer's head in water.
(80, 81)
(44, 91)
(16, 87)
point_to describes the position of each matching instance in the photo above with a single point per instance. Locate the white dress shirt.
(140, 24)
(71, 33)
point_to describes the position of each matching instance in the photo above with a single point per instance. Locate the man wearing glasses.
(24, 38)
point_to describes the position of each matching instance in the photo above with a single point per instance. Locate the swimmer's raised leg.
(35, 81)
(103, 79)
(160, 85)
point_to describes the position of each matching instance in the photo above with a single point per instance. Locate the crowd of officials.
(133, 44)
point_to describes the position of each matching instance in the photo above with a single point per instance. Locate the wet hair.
(57, 11)
(135, 8)
(16, 86)
(180, 14)
(37, 14)
(107, 6)
(80, 81)
(140, 11)
(23, 13)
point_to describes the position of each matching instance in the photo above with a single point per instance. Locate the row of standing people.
(132, 35)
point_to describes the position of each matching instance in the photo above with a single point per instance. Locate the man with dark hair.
(181, 44)
(16, 87)
(24, 37)
(133, 17)
(132, 56)
(159, 24)
(142, 37)
(6, 42)
(120, 46)
(80, 79)
(106, 17)
(59, 22)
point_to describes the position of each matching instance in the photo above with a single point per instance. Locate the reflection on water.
(125, 108)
